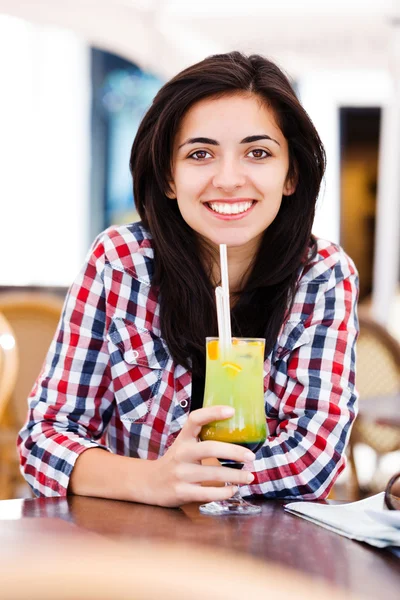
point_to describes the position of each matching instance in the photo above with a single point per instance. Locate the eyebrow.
(247, 140)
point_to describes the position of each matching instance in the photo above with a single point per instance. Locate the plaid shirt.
(109, 379)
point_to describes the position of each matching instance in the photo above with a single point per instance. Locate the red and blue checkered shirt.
(109, 380)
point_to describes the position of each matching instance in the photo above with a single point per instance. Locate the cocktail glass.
(234, 377)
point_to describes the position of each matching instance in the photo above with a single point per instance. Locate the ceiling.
(167, 35)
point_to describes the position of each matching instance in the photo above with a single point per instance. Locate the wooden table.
(273, 536)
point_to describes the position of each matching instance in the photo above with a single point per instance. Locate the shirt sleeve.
(318, 401)
(71, 402)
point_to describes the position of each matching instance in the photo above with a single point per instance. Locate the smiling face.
(229, 169)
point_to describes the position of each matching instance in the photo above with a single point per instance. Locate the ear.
(171, 193)
(290, 185)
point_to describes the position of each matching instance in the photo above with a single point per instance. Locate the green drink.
(235, 378)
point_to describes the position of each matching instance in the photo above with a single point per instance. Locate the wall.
(44, 153)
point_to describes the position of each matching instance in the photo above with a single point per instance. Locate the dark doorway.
(359, 142)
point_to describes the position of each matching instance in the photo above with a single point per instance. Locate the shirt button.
(135, 354)
(183, 403)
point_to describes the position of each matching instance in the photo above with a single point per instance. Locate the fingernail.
(250, 477)
(228, 411)
(249, 456)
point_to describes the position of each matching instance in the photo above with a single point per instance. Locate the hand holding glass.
(235, 377)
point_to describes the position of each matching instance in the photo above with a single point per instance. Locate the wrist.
(141, 480)
(101, 474)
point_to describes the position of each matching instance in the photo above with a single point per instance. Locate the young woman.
(225, 154)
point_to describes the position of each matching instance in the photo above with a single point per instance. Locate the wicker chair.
(8, 378)
(377, 376)
(33, 317)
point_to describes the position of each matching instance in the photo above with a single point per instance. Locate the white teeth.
(225, 208)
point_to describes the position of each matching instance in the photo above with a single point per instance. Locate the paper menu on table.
(386, 517)
(350, 520)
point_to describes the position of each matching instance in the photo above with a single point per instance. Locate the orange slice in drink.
(212, 350)
(259, 346)
(231, 369)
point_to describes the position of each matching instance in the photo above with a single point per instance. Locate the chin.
(233, 237)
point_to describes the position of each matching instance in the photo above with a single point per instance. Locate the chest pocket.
(292, 336)
(138, 358)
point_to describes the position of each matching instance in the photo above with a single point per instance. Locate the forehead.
(236, 116)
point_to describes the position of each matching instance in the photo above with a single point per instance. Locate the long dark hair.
(186, 293)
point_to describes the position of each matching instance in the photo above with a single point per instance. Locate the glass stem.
(236, 496)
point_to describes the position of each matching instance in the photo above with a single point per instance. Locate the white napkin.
(352, 520)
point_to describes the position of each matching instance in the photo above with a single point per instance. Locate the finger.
(199, 474)
(211, 462)
(203, 416)
(224, 450)
(196, 493)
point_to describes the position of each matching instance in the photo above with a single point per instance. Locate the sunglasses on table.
(392, 493)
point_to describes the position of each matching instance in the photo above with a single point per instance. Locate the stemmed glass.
(235, 379)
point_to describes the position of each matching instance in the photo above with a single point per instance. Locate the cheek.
(271, 181)
(189, 182)
(275, 177)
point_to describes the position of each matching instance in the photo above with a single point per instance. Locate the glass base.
(233, 506)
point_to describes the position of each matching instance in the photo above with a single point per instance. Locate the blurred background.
(76, 78)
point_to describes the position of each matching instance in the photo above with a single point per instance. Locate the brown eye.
(200, 155)
(259, 153)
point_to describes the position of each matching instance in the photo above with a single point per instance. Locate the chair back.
(8, 363)
(377, 380)
(33, 317)
(378, 360)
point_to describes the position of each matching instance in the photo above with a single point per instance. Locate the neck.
(239, 262)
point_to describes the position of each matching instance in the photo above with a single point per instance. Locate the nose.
(229, 175)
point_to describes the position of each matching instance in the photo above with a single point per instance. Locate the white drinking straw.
(226, 312)
(220, 316)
